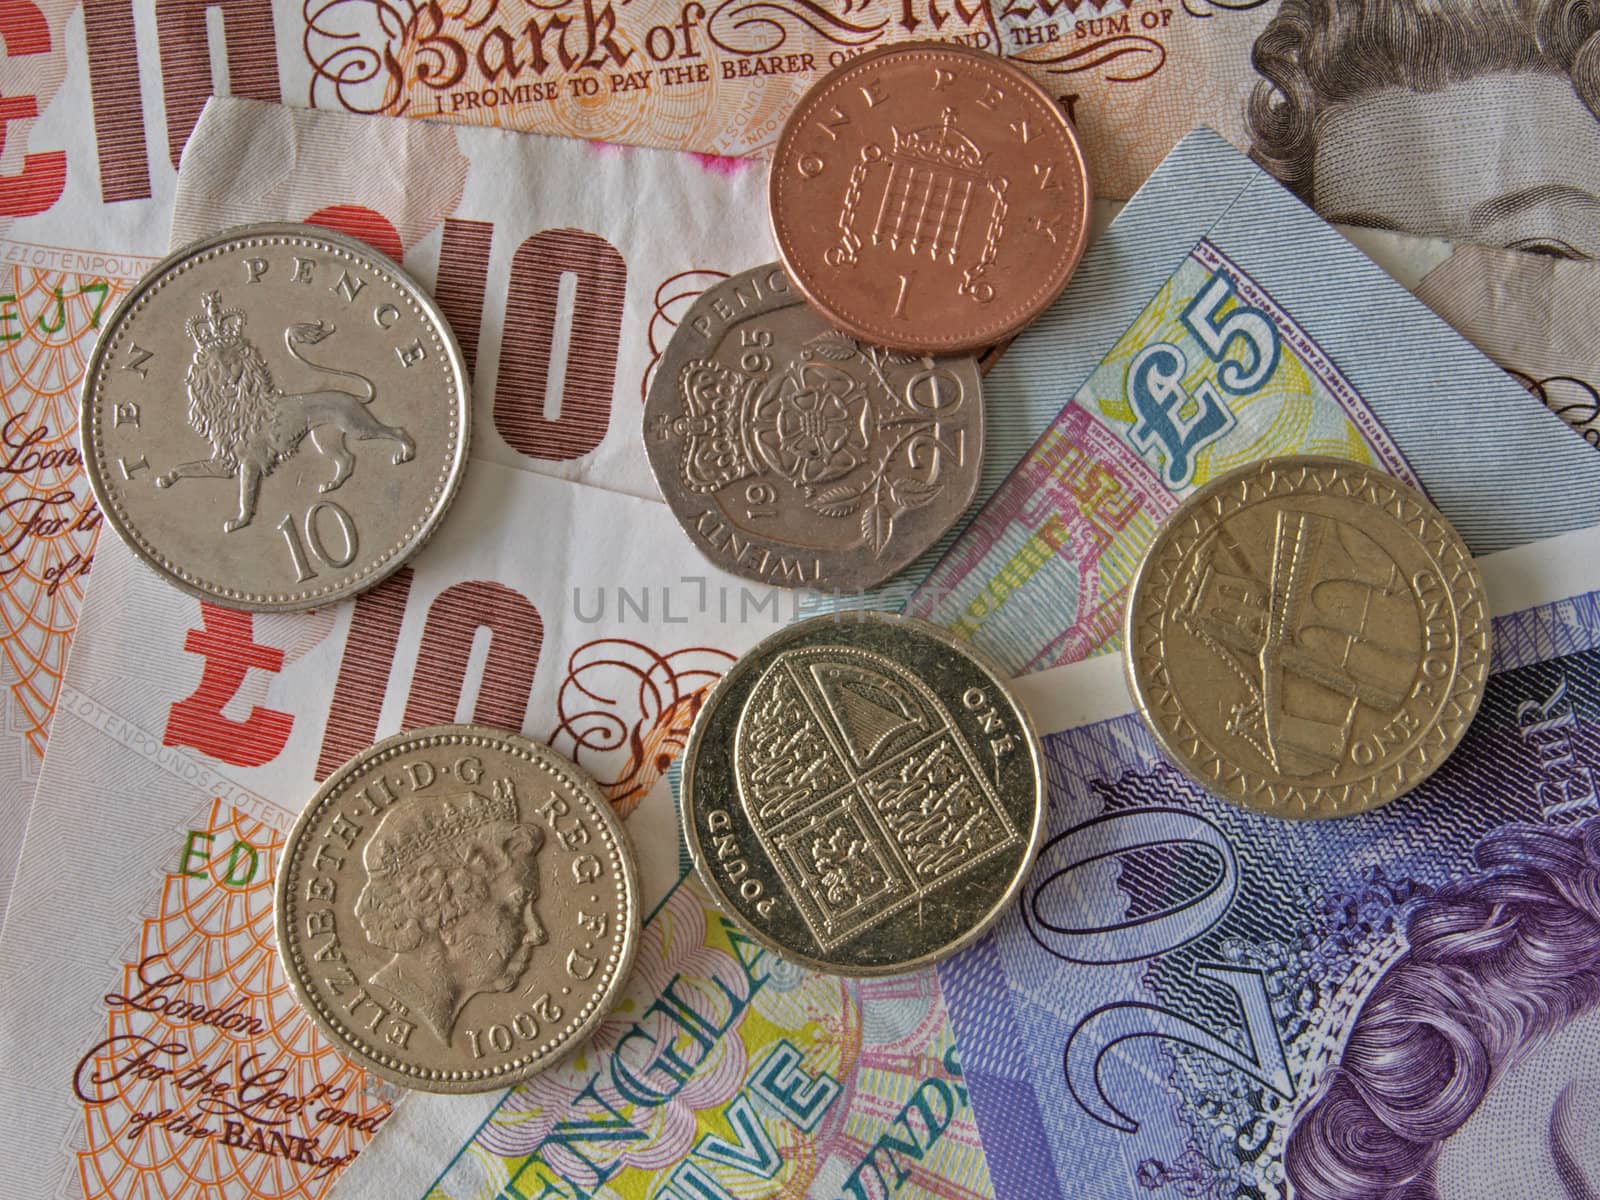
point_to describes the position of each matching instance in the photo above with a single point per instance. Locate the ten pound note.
(102, 96)
(560, 292)
(1191, 999)
(145, 1021)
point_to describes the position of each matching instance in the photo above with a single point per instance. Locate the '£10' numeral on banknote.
(226, 641)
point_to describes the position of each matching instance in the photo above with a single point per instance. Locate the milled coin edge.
(986, 336)
(459, 1083)
(456, 467)
(1001, 905)
(1466, 689)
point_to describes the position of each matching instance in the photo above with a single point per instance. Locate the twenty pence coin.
(1307, 637)
(457, 908)
(929, 197)
(862, 795)
(795, 454)
(275, 417)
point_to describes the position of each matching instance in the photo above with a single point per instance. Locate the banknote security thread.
(1308, 637)
(929, 197)
(275, 417)
(457, 908)
(861, 794)
(795, 454)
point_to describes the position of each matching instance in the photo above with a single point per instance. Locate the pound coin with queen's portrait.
(457, 908)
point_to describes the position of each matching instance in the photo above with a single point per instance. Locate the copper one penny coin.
(929, 198)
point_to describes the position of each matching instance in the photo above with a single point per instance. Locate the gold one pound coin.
(863, 795)
(457, 908)
(1307, 637)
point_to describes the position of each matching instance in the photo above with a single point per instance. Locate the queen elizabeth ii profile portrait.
(1462, 119)
(1472, 1069)
(450, 892)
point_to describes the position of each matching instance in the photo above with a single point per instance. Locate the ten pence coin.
(275, 417)
(457, 908)
(862, 795)
(1307, 637)
(929, 197)
(795, 454)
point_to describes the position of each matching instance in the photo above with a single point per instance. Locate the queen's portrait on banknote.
(1474, 122)
(1483, 1033)
(450, 891)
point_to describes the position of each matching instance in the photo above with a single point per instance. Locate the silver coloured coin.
(457, 908)
(797, 455)
(862, 794)
(275, 418)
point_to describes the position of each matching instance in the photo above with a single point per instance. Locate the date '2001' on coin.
(457, 908)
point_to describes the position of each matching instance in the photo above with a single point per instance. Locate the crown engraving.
(943, 145)
(460, 815)
(216, 326)
(715, 401)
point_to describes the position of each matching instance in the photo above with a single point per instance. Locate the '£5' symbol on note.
(1167, 417)
(1244, 346)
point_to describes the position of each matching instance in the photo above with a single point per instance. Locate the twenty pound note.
(1193, 1000)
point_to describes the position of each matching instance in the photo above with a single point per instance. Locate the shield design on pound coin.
(861, 788)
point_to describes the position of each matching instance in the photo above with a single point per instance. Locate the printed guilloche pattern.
(215, 716)
(1323, 937)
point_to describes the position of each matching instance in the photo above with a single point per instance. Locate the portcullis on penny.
(929, 197)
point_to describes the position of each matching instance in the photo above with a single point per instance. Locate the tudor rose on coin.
(797, 455)
(457, 908)
(275, 417)
(929, 197)
(863, 795)
(1307, 637)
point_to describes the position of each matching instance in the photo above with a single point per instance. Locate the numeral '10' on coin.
(275, 417)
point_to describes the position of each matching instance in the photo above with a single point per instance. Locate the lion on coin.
(253, 426)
